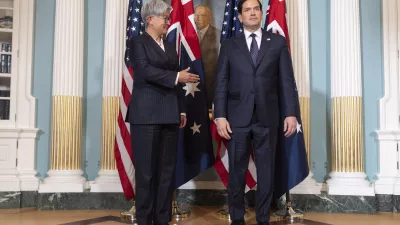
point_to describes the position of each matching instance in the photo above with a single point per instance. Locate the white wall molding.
(27, 160)
(308, 186)
(17, 140)
(107, 181)
(388, 135)
(204, 185)
(8, 154)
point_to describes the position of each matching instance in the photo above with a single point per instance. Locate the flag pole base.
(290, 214)
(130, 215)
(224, 214)
(178, 213)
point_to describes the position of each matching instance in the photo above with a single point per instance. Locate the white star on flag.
(191, 88)
(196, 128)
(298, 127)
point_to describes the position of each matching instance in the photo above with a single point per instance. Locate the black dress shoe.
(238, 222)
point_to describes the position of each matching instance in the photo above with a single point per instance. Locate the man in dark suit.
(155, 111)
(209, 37)
(252, 69)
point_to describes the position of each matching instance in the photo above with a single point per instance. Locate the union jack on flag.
(195, 150)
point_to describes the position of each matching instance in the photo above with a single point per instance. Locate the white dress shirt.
(161, 44)
(249, 39)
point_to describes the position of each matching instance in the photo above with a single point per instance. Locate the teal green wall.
(372, 74)
(93, 86)
(319, 21)
(42, 78)
(319, 87)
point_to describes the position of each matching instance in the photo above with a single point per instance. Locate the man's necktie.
(254, 48)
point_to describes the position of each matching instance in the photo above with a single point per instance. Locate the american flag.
(291, 165)
(231, 26)
(195, 150)
(123, 149)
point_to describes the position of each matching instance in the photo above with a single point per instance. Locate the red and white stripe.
(222, 162)
(123, 154)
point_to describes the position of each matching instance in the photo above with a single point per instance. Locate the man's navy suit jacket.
(241, 85)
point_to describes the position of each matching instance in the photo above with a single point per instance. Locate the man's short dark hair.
(240, 5)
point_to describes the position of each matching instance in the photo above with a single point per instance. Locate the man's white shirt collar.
(258, 33)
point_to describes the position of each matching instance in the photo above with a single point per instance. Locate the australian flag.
(291, 165)
(195, 150)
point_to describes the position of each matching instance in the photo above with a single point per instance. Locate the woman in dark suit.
(155, 112)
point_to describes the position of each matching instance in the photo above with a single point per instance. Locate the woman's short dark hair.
(240, 5)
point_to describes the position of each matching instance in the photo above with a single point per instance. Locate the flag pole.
(292, 213)
(289, 212)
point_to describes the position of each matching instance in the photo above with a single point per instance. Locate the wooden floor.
(199, 216)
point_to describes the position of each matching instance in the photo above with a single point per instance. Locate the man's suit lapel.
(241, 42)
(263, 47)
